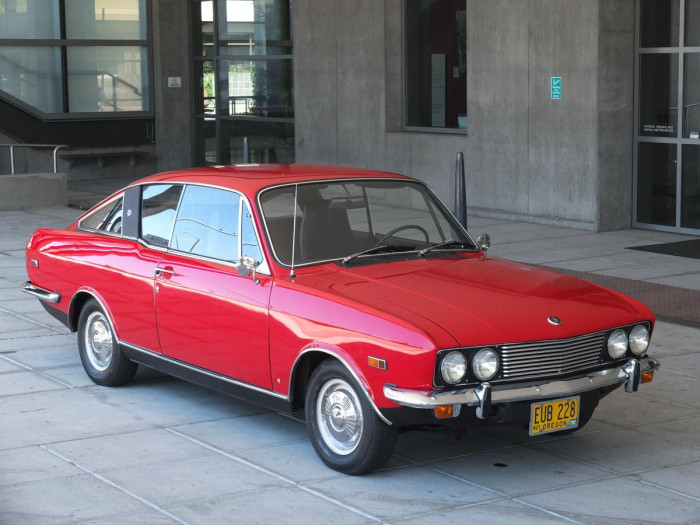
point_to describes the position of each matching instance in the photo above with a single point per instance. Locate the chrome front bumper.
(486, 394)
(41, 293)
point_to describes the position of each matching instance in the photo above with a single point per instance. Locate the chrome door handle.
(169, 271)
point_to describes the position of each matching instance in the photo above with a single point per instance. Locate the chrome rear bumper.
(486, 394)
(41, 293)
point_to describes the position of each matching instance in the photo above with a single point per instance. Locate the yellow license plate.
(553, 416)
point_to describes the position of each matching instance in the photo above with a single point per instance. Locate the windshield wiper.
(374, 249)
(443, 244)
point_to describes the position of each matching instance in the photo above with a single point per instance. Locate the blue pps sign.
(556, 88)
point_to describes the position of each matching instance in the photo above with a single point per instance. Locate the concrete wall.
(566, 162)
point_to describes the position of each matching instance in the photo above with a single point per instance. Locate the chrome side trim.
(213, 375)
(41, 293)
(513, 393)
(346, 365)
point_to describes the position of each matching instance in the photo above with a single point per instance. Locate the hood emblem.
(553, 319)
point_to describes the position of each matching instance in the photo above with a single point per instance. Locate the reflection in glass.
(107, 79)
(691, 96)
(690, 187)
(29, 19)
(106, 19)
(205, 99)
(203, 29)
(658, 94)
(33, 75)
(254, 27)
(656, 184)
(436, 69)
(258, 88)
(158, 206)
(269, 142)
(659, 21)
(205, 141)
(692, 23)
(249, 240)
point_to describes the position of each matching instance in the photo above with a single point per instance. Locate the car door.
(208, 315)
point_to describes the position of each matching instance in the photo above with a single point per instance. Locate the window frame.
(63, 44)
(404, 79)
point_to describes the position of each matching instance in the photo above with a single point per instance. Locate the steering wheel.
(405, 227)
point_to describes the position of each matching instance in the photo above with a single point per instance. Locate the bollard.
(460, 191)
(246, 151)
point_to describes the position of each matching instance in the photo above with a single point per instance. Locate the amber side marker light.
(647, 377)
(376, 362)
(443, 411)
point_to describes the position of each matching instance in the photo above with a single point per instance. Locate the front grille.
(544, 358)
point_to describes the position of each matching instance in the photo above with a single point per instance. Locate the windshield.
(337, 219)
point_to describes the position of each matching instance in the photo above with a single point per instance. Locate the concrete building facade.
(550, 123)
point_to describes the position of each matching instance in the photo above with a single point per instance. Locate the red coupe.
(352, 298)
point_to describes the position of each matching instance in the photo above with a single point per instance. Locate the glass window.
(691, 96)
(690, 190)
(106, 19)
(109, 79)
(254, 27)
(692, 23)
(22, 19)
(258, 88)
(158, 206)
(659, 21)
(436, 64)
(33, 75)
(334, 220)
(658, 94)
(71, 77)
(656, 184)
(268, 142)
(249, 240)
(207, 223)
(107, 218)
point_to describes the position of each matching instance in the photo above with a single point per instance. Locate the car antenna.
(292, 275)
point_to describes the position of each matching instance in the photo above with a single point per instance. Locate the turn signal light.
(443, 411)
(376, 362)
(647, 377)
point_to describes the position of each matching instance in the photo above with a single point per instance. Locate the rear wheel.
(102, 359)
(344, 429)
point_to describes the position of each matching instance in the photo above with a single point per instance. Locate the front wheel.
(345, 431)
(102, 359)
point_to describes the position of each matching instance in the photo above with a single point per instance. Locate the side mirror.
(245, 266)
(483, 242)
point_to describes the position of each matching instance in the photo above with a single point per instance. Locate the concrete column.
(171, 41)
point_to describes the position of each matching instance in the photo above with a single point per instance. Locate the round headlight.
(453, 367)
(617, 344)
(485, 364)
(639, 339)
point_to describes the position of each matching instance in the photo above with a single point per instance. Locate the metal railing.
(12, 147)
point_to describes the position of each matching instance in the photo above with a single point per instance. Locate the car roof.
(250, 178)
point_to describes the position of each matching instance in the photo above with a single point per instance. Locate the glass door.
(667, 118)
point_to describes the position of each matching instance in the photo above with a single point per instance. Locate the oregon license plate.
(553, 416)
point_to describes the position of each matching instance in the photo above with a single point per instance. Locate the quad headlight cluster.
(484, 366)
(636, 341)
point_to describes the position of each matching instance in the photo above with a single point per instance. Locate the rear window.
(106, 218)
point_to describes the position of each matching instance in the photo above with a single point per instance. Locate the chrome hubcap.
(339, 416)
(98, 341)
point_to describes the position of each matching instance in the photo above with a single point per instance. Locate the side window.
(158, 206)
(249, 241)
(207, 223)
(107, 218)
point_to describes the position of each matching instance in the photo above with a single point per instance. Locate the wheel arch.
(76, 305)
(309, 359)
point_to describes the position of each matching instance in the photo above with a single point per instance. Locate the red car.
(350, 297)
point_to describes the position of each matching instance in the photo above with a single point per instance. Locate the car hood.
(481, 301)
